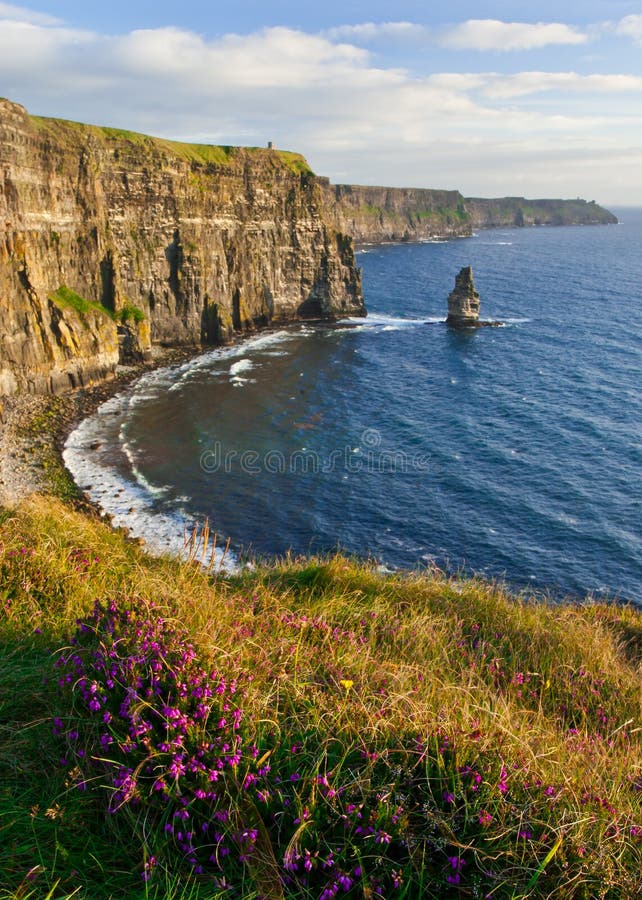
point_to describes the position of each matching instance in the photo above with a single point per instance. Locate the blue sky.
(539, 99)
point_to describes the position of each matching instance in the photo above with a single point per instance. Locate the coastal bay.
(410, 443)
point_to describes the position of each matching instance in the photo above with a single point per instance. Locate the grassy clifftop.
(204, 154)
(311, 729)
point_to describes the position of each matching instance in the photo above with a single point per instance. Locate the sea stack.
(463, 301)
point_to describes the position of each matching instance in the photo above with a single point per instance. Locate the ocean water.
(514, 452)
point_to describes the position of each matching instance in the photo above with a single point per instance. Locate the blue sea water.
(514, 451)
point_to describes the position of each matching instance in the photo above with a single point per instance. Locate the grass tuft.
(218, 155)
(65, 298)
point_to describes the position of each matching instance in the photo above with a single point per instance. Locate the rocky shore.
(33, 430)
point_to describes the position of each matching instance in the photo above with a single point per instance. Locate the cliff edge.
(104, 230)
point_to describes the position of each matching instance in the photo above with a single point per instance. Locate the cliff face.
(111, 239)
(186, 243)
(376, 214)
(519, 212)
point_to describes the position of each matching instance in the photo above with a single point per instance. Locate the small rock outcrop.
(463, 301)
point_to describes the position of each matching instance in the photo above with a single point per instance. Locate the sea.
(513, 452)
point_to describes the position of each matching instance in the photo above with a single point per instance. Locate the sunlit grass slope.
(313, 729)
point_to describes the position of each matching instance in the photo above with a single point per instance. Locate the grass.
(130, 313)
(308, 729)
(295, 161)
(65, 298)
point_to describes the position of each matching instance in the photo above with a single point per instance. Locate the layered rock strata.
(518, 212)
(172, 243)
(111, 241)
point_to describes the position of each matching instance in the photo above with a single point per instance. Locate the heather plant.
(298, 812)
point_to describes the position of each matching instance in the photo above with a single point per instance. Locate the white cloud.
(39, 52)
(19, 13)
(524, 83)
(355, 120)
(630, 26)
(492, 34)
(274, 57)
(372, 31)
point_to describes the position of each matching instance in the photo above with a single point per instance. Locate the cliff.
(377, 214)
(104, 230)
(519, 212)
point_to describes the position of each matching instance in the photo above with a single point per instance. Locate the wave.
(132, 504)
(243, 365)
(388, 323)
(104, 464)
(238, 370)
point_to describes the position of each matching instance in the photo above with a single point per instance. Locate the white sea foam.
(382, 322)
(238, 370)
(130, 503)
(243, 365)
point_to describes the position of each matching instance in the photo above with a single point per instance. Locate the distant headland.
(377, 214)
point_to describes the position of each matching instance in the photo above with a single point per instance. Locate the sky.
(537, 99)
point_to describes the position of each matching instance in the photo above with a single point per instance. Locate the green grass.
(65, 298)
(295, 161)
(130, 313)
(490, 741)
